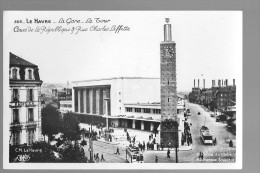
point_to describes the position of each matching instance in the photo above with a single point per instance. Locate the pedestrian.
(156, 159)
(199, 155)
(102, 158)
(157, 146)
(154, 141)
(215, 141)
(144, 145)
(117, 151)
(97, 157)
(188, 142)
(202, 156)
(168, 153)
(162, 146)
(151, 136)
(230, 143)
(148, 145)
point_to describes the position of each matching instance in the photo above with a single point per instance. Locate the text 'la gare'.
(89, 20)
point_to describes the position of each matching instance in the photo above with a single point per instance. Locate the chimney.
(234, 82)
(204, 83)
(194, 83)
(167, 31)
(198, 83)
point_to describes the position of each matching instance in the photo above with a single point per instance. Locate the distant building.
(24, 102)
(62, 94)
(218, 97)
(65, 106)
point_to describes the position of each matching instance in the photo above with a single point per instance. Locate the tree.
(73, 152)
(70, 127)
(47, 154)
(50, 121)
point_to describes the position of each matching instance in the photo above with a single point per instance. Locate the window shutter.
(27, 95)
(32, 95)
(12, 95)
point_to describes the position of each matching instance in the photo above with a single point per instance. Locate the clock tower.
(169, 124)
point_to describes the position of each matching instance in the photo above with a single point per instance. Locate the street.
(219, 153)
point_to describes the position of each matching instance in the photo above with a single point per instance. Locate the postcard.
(109, 89)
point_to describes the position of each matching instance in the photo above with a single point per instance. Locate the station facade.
(127, 102)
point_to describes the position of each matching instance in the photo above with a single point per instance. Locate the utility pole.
(90, 146)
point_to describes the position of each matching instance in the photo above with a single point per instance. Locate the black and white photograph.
(109, 89)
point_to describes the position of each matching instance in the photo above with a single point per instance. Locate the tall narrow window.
(30, 95)
(14, 73)
(29, 74)
(30, 114)
(15, 115)
(15, 95)
(16, 138)
(30, 136)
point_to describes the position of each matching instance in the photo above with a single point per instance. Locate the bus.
(205, 135)
(133, 155)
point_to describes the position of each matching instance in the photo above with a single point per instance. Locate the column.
(101, 112)
(97, 101)
(94, 101)
(85, 100)
(90, 101)
(151, 126)
(133, 125)
(104, 102)
(79, 100)
(142, 125)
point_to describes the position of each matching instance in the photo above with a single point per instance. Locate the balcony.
(30, 104)
(16, 126)
(31, 124)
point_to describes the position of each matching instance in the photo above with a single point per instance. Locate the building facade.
(127, 102)
(217, 98)
(24, 102)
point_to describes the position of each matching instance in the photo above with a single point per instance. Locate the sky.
(208, 45)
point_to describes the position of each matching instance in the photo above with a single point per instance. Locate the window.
(147, 111)
(30, 136)
(14, 71)
(30, 114)
(138, 110)
(15, 115)
(15, 95)
(156, 111)
(30, 95)
(29, 74)
(128, 109)
(16, 138)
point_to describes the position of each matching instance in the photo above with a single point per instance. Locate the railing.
(31, 123)
(20, 104)
(16, 123)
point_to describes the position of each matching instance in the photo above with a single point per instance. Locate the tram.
(133, 155)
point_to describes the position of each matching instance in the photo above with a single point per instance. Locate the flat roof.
(113, 78)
